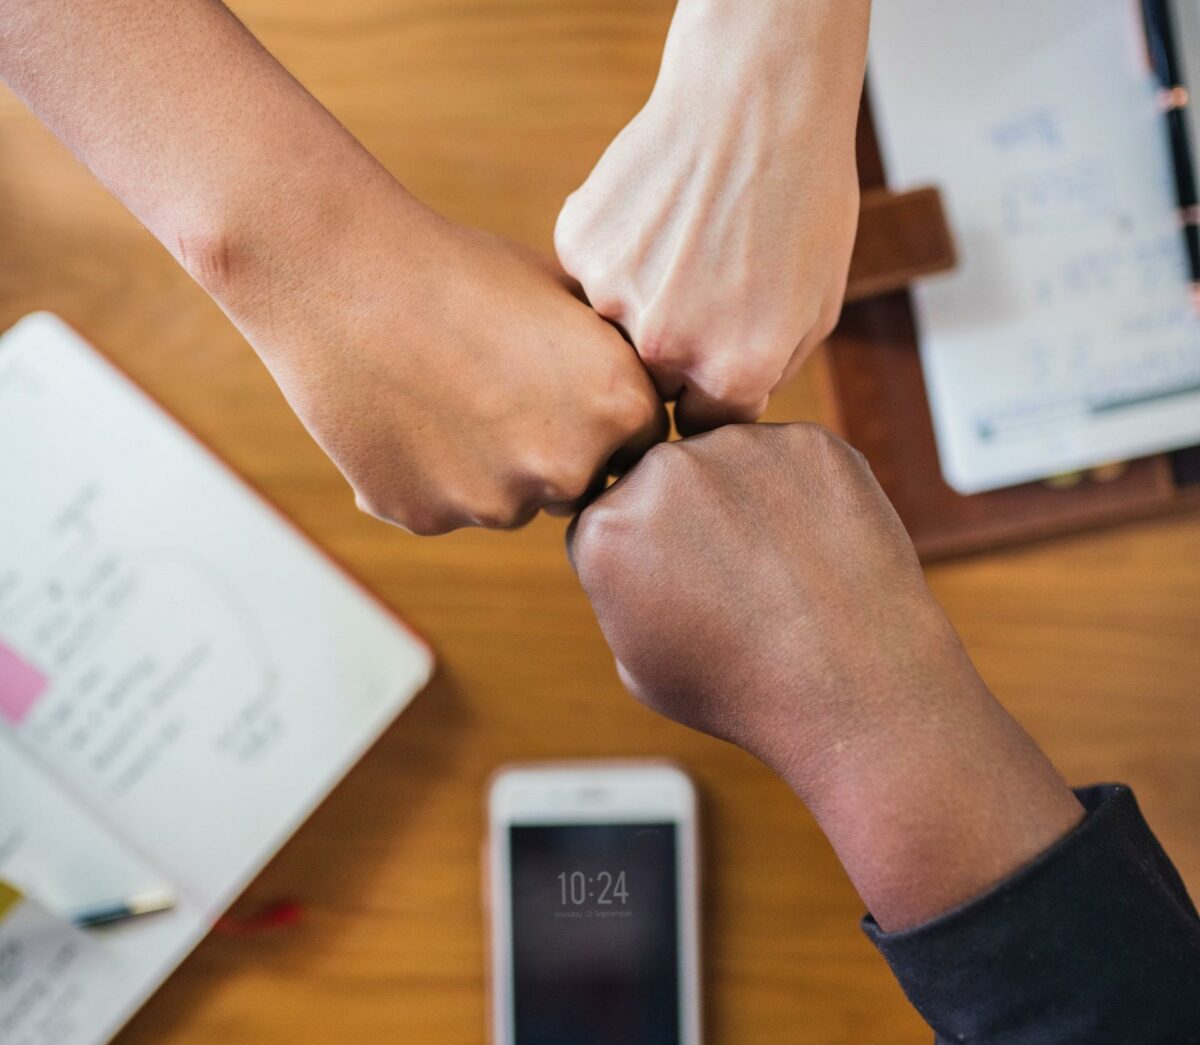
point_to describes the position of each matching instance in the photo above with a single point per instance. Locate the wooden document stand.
(877, 396)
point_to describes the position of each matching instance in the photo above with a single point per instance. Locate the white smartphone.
(592, 885)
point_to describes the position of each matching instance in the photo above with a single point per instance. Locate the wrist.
(824, 35)
(907, 675)
(934, 794)
(809, 54)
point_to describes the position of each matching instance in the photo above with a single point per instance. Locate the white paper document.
(183, 676)
(53, 977)
(1065, 339)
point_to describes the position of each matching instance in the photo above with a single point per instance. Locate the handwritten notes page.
(1065, 339)
(178, 666)
(53, 977)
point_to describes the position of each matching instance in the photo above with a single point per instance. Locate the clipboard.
(874, 394)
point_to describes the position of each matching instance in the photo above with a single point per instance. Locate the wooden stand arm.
(901, 237)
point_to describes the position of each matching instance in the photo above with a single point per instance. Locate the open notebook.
(1065, 338)
(183, 677)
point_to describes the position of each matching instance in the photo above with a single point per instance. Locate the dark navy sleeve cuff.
(1094, 941)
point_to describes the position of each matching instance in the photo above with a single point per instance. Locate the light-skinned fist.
(717, 228)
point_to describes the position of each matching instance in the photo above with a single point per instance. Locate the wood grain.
(492, 112)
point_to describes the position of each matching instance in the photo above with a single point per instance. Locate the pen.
(122, 910)
(1173, 99)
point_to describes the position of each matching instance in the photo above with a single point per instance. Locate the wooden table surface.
(492, 112)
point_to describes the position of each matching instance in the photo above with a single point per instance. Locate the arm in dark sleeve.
(1096, 941)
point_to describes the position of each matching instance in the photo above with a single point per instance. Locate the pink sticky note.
(20, 686)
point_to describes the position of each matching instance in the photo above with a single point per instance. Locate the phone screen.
(595, 926)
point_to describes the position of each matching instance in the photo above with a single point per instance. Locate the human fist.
(451, 376)
(754, 583)
(717, 228)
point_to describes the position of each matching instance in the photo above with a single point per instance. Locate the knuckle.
(811, 435)
(499, 513)
(616, 525)
(576, 249)
(597, 538)
(828, 321)
(669, 473)
(715, 458)
(603, 296)
(603, 289)
(567, 484)
(426, 522)
(663, 458)
(377, 508)
(837, 447)
(595, 276)
(740, 381)
(566, 239)
(549, 477)
(858, 457)
(819, 441)
(635, 409)
(429, 520)
(738, 435)
(660, 342)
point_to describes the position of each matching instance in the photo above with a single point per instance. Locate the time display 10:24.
(604, 888)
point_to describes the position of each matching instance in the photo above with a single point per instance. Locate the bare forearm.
(792, 44)
(931, 794)
(181, 113)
